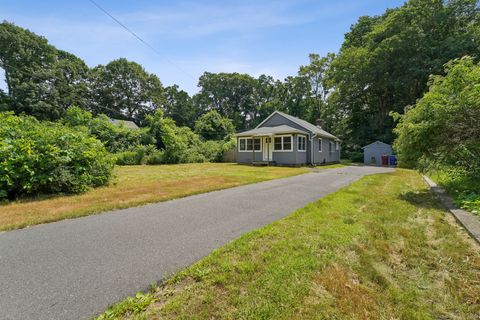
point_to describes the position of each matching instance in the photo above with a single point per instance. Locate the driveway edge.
(468, 220)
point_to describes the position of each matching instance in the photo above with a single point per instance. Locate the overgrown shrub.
(462, 186)
(213, 126)
(136, 155)
(155, 158)
(354, 156)
(115, 138)
(212, 150)
(442, 129)
(45, 157)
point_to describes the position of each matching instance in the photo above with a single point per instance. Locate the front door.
(267, 149)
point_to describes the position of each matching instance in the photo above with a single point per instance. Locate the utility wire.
(139, 38)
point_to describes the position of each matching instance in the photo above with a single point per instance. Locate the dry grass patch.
(137, 185)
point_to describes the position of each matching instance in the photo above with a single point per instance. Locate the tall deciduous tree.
(443, 127)
(385, 62)
(230, 94)
(316, 72)
(41, 80)
(180, 107)
(212, 126)
(123, 89)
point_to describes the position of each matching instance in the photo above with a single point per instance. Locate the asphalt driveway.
(75, 269)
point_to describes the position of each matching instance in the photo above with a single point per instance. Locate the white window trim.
(320, 145)
(298, 144)
(331, 147)
(281, 136)
(253, 145)
(337, 145)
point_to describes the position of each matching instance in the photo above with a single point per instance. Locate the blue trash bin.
(393, 160)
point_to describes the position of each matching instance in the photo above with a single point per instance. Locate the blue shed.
(372, 153)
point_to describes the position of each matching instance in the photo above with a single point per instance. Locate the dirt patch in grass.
(349, 295)
(381, 248)
(138, 185)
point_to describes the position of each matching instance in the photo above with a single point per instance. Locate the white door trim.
(267, 149)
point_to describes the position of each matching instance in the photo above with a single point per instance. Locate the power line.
(139, 38)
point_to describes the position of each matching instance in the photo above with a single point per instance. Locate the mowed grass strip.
(137, 185)
(381, 248)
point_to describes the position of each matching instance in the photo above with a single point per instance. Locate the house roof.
(267, 131)
(377, 143)
(126, 123)
(305, 124)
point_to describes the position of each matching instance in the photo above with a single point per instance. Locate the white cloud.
(192, 19)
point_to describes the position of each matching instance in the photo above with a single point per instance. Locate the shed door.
(267, 149)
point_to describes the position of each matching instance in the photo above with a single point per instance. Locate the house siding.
(325, 156)
(294, 157)
(246, 157)
(290, 157)
(376, 151)
(277, 120)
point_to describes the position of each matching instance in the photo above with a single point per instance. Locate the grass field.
(381, 248)
(137, 185)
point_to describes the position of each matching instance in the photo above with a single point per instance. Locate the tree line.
(383, 66)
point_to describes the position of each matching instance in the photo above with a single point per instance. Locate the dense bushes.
(212, 126)
(45, 157)
(464, 187)
(160, 142)
(181, 144)
(442, 129)
(441, 133)
(115, 138)
(73, 155)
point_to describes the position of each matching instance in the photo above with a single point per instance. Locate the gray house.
(286, 140)
(372, 153)
(126, 123)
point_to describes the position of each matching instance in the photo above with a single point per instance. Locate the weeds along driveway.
(74, 269)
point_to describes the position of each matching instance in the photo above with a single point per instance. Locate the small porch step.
(263, 163)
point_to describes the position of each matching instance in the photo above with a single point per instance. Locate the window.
(248, 144)
(330, 146)
(241, 145)
(337, 145)
(302, 143)
(320, 144)
(278, 143)
(282, 143)
(287, 143)
(256, 144)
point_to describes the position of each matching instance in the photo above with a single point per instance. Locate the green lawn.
(464, 189)
(137, 185)
(381, 248)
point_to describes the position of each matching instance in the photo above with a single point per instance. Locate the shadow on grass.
(423, 199)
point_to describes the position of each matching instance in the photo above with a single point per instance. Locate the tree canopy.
(443, 127)
(385, 61)
(123, 89)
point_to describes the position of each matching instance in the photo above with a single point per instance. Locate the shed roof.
(305, 124)
(126, 123)
(377, 144)
(267, 131)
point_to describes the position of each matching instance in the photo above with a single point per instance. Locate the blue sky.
(254, 37)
